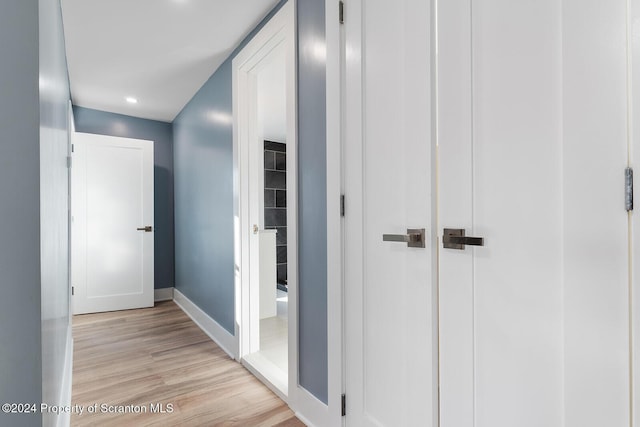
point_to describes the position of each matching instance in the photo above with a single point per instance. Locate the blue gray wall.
(103, 123)
(20, 348)
(312, 192)
(203, 150)
(203, 164)
(203, 160)
(54, 203)
(33, 176)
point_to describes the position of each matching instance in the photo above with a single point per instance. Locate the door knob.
(147, 229)
(415, 237)
(454, 238)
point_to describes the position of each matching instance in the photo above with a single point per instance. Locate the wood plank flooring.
(128, 360)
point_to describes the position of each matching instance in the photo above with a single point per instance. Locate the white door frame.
(71, 133)
(634, 219)
(278, 31)
(335, 102)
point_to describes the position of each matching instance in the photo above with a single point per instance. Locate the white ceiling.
(158, 51)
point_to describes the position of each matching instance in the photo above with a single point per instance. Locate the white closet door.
(532, 139)
(389, 285)
(534, 325)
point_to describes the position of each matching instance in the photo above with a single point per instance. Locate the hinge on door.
(344, 405)
(73, 148)
(69, 161)
(342, 205)
(341, 12)
(628, 189)
(73, 290)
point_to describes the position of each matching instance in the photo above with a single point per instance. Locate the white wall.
(54, 210)
(272, 112)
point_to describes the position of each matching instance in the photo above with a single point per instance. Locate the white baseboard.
(305, 421)
(311, 411)
(163, 294)
(217, 333)
(64, 419)
(267, 372)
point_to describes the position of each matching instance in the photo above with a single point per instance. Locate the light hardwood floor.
(159, 356)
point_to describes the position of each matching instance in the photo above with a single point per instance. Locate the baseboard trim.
(310, 410)
(305, 421)
(268, 373)
(64, 418)
(217, 333)
(163, 294)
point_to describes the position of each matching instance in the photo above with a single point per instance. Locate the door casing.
(278, 32)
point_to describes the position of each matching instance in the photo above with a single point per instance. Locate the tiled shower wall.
(275, 201)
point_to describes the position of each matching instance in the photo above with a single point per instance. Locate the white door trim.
(72, 131)
(279, 30)
(335, 255)
(634, 224)
(353, 169)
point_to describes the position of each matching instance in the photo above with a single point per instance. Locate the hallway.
(128, 360)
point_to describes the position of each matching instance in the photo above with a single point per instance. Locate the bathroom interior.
(272, 231)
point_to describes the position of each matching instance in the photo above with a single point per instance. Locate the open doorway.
(272, 213)
(266, 205)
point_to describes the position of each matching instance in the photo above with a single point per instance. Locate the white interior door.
(390, 341)
(533, 130)
(112, 230)
(500, 157)
(532, 107)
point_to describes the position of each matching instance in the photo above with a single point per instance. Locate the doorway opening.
(266, 204)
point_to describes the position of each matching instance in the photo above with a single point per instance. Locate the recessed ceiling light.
(131, 100)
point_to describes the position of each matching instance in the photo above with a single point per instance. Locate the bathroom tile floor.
(274, 335)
